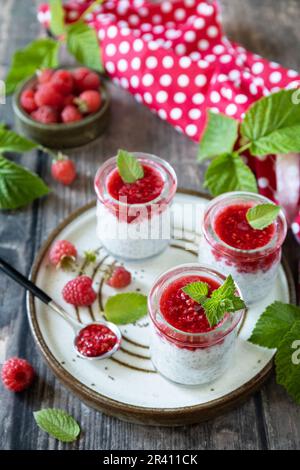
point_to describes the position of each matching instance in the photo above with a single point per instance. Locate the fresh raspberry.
(69, 99)
(47, 95)
(44, 76)
(79, 291)
(17, 374)
(71, 114)
(86, 80)
(63, 170)
(89, 101)
(27, 100)
(45, 114)
(62, 252)
(78, 77)
(62, 82)
(119, 278)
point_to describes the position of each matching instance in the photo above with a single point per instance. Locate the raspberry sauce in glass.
(95, 340)
(184, 347)
(229, 243)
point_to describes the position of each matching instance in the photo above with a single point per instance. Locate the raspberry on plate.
(17, 374)
(71, 114)
(63, 170)
(46, 95)
(89, 101)
(62, 81)
(119, 278)
(79, 291)
(45, 115)
(62, 252)
(27, 100)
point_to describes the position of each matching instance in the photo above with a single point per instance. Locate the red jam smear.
(95, 340)
(141, 191)
(182, 312)
(232, 227)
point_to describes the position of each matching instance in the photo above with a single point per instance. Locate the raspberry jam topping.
(232, 227)
(141, 191)
(95, 340)
(182, 312)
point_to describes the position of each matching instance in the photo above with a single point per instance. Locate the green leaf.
(222, 300)
(82, 43)
(90, 256)
(126, 308)
(39, 54)
(18, 186)
(228, 172)
(196, 290)
(10, 141)
(274, 324)
(129, 167)
(262, 215)
(272, 124)
(219, 137)
(58, 424)
(57, 22)
(287, 362)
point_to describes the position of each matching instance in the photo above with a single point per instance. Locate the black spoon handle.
(23, 281)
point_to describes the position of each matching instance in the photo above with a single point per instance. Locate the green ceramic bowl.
(61, 135)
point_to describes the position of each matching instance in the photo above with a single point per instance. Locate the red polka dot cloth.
(173, 57)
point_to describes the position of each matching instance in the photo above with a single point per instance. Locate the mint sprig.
(129, 167)
(279, 328)
(58, 424)
(262, 215)
(222, 300)
(219, 137)
(126, 308)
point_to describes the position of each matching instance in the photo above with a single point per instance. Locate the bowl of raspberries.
(62, 108)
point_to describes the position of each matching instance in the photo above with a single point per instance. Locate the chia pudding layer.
(133, 219)
(233, 247)
(184, 347)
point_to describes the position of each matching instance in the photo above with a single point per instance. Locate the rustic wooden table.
(269, 419)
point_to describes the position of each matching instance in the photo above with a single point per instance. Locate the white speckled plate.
(127, 385)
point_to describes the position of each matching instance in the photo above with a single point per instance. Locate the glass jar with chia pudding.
(133, 219)
(233, 247)
(184, 347)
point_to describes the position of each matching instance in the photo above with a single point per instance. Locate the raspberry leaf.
(219, 136)
(58, 424)
(262, 215)
(129, 167)
(228, 172)
(274, 323)
(12, 142)
(196, 290)
(287, 362)
(39, 54)
(82, 43)
(57, 22)
(18, 186)
(126, 308)
(272, 124)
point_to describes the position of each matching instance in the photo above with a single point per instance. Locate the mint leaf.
(82, 43)
(228, 172)
(57, 21)
(274, 324)
(129, 167)
(272, 124)
(10, 141)
(196, 290)
(222, 300)
(18, 186)
(42, 53)
(287, 362)
(262, 215)
(219, 136)
(58, 424)
(126, 308)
